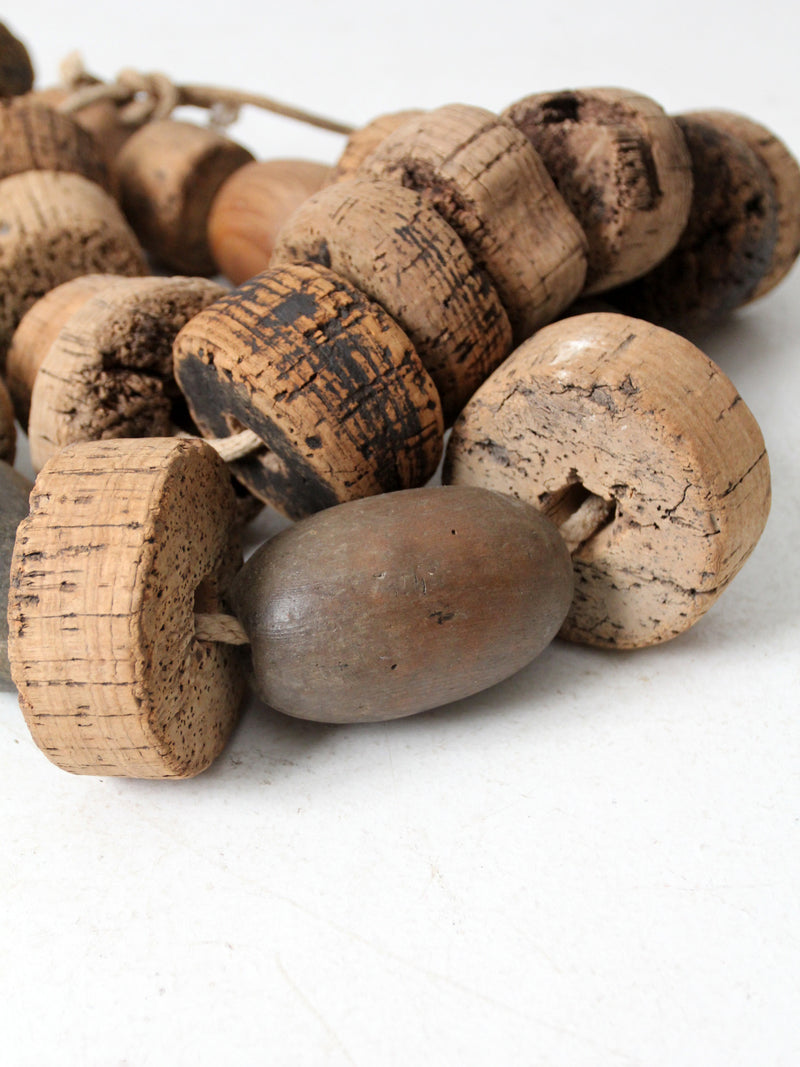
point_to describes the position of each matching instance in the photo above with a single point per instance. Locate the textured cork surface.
(16, 69)
(36, 137)
(604, 406)
(8, 431)
(14, 490)
(363, 142)
(125, 541)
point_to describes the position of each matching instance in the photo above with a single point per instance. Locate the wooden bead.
(390, 244)
(386, 607)
(109, 371)
(363, 142)
(630, 432)
(250, 208)
(38, 329)
(16, 69)
(8, 432)
(169, 173)
(126, 540)
(54, 227)
(14, 490)
(729, 243)
(482, 176)
(620, 163)
(329, 383)
(36, 137)
(784, 170)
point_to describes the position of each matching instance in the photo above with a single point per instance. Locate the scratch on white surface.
(314, 1010)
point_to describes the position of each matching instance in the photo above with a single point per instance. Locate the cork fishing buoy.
(101, 119)
(36, 137)
(389, 243)
(449, 591)
(251, 207)
(126, 541)
(323, 377)
(8, 431)
(645, 456)
(481, 174)
(169, 173)
(363, 141)
(16, 69)
(54, 227)
(14, 492)
(621, 164)
(109, 371)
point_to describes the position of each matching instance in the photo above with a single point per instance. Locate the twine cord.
(221, 629)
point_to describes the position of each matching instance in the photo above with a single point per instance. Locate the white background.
(595, 863)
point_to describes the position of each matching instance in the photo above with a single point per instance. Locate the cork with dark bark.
(363, 142)
(784, 170)
(620, 163)
(628, 433)
(38, 329)
(109, 371)
(393, 246)
(324, 377)
(16, 69)
(387, 607)
(481, 174)
(8, 431)
(14, 491)
(125, 542)
(728, 245)
(169, 173)
(251, 207)
(36, 137)
(54, 227)
(101, 120)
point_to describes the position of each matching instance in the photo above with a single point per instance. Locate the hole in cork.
(578, 513)
(206, 600)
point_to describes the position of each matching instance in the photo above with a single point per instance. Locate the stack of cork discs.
(604, 480)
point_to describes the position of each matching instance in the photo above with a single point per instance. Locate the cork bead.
(38, 329)
(620, 163)
(54, 227)
(36, 137)
(109, 371)
(482, 176)
(363, 142)
(101, 120)
(14, 491)
(643, 453)
(449, 591)
(125, 542)
(169, 173)
(251, 207)
(16, 69)
(8, 431)
(390, 244)
(328, 382)
(729, 243)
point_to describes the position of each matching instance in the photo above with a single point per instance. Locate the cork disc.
(390, 244)
(481, 174)
(620, 163)
(169, 173)
(785, 173)
(363, 142)
(729, 243)
(8, 431)
(54, 227)
(109, 371)
(38, 328)
(36, 137)
(125, 541)
(329, 383)
(607, 414)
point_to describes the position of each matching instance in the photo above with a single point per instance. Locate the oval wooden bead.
(620, 163)
(402, 254)
(14, 491)
(323, 376)
(126, 540)
(16, 69)
(54, 227)
(109, 371)
(386, 607)
(729, 243)
(363, 142)
(8, 431)
(36, 137)
(169, 173)
(630, 432)
(251, 206)
(38, 329)
(481, 174)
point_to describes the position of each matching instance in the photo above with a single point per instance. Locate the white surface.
(595, 863)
